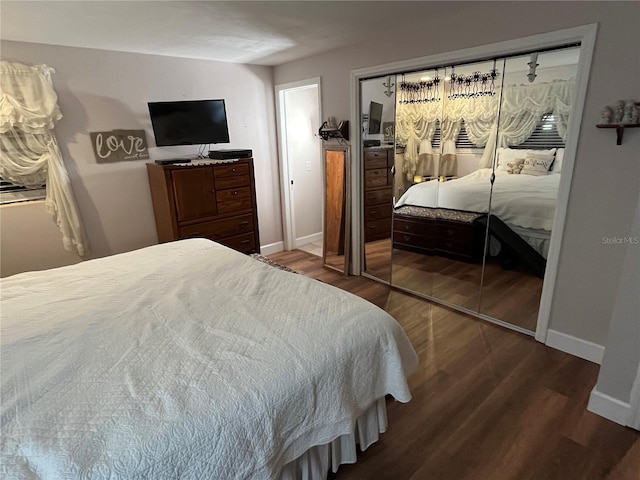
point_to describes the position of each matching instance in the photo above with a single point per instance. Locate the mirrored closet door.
(477, 158)
(378, 101)
(535, 109)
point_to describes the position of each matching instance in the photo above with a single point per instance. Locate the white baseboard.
(575, 346)
(609, 407)
(315, 237)
(271, 248)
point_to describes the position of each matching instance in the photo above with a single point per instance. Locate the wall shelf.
(620, 127)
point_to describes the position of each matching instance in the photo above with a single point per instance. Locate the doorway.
(298, 119)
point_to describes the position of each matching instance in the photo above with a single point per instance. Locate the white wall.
(605, 182)
(100, 91)
(622, 355)
(30, 240)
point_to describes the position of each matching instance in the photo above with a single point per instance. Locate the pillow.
(506, 155)
(536, 164)
(516, 166)
(556, 166)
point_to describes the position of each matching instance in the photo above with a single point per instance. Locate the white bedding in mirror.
(185, 360)
(524, 201)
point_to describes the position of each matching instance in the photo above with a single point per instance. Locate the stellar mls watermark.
(628, 240)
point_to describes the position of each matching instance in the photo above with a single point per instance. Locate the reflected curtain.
(522, 108)
(415, 127)
(30, 154)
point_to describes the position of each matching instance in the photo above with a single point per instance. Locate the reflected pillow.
(556, 166)
(536, 164)
(509, 155)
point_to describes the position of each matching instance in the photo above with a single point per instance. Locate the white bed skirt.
(314, 464)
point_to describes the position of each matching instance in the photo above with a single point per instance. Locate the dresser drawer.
(237, 205)
(223, 183)
(375, 162)
(460, 232)
(243, 243)
(377, 212)
(372, 154)
(412, 240)
(421, 227)
(377, 197)
(231, 170)
(378, 229)
(375, 178)
(233, 194)
(218, 229)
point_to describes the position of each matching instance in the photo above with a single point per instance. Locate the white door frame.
(288, 209)
(586, 36)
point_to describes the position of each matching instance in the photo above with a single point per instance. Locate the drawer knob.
(233, 170)
(244, 242)
(450, 231)
(244, 224)
(235, 192)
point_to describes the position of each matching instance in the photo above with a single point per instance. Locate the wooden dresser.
(378, 193)
(215, 201)
(439, 231)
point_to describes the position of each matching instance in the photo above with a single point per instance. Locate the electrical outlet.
(308, 166)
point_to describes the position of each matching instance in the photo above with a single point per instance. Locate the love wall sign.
(119, 145)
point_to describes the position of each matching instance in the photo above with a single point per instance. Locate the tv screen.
(192, 122)
(375, 117)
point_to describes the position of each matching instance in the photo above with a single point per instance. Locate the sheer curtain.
(415, 127)
(521, 111)
(30, 154)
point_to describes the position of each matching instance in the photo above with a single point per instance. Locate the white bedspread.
(185, 360)
(518, 200)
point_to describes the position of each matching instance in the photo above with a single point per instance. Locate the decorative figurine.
(629, 108)
(619, 112)
(635, 114)
(605, 115)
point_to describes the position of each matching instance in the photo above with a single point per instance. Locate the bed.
(525, 203)
(190, 360)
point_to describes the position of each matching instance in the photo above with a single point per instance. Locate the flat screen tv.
(189, 122)
(375, 117)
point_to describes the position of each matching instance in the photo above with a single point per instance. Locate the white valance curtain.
(521, 110)
(30, 154)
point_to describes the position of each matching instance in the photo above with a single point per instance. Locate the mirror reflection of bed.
(458, 237)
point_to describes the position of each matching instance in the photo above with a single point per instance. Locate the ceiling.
(261, 33)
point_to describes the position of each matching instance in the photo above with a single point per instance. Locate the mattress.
(185, 360)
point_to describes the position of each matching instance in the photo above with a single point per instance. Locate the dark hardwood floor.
(488, 403)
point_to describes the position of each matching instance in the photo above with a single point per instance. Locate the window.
(461, 142)
(463, 139)
(544, 136)
(10, 193)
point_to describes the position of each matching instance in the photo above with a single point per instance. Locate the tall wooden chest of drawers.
(215, 201)
(378, 193)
